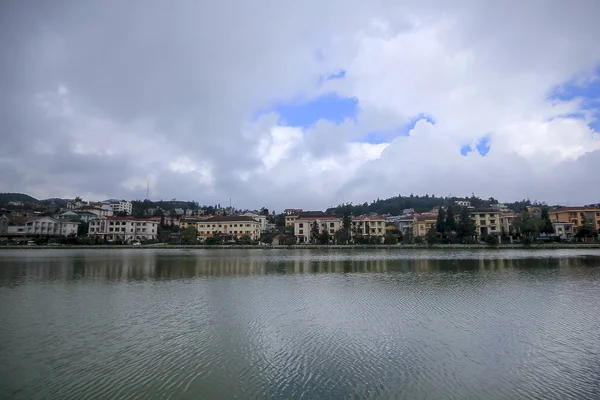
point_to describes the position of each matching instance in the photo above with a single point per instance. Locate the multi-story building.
(262, 219)
(463, 203)
(235, 225)
(487, 221)
(423, 223)
(368, 226)
(576, 216)
(121, 206)
(303, 226)
(167, 220)
(506, 222)
(42, 226)
(99, 211)
(126, 229)
(75, 204)
(290, 219)
(564, 230)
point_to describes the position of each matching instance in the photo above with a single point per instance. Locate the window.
(492, 221)
(301, 225)
(332, 231)
(247, 225)
(235, 232)
(301, 232)
(111, 229)
(331, 225)
(122, 229)
(144, 224)
(111, 223)
(235, 226)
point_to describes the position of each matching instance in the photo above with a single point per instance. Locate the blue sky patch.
(483, 146)
(590, 93)
(305, 113)
(465, 150)
(378, 137)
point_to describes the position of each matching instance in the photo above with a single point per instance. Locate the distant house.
(42, 226)
(67, 215)
(99, 211)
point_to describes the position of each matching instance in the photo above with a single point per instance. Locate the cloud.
(390, 96)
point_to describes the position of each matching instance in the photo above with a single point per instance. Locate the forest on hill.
(396, 205)
(6, 198)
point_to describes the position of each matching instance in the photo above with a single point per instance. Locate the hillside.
(6, 198)
(395, 205)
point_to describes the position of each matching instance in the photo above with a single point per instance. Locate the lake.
(311, 324)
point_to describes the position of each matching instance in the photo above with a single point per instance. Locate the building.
(368, 226)
(85, 216)
(75, 204)
(576, 216)
(99, 211)
(42, 226)
(564, 230)
(67, 215)
(262, 219)
(121, 206)
(292, 211)
(167, 220)
(506, 222)
(235, 225)
(487, 221)
(303, 226)
(463, 203)
(291, 218)
(125, 229)
(423, 223)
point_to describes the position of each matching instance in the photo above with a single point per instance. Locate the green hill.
(6, 198)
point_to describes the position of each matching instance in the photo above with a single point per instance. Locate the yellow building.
(487, 221)
(506, 221)
(368, 226)
(423, 223)
(576, 216)
(235, 225)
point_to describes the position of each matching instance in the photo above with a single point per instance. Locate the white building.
(463, 203)
(262, 220)
(303, 227)
(126, 229)
(121, 206)
(43, 226)
(3, 224)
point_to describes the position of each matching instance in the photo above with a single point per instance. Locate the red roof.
(114, 218)
(328, 218)
(567, 209)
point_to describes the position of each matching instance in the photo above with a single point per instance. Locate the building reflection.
(135, 265)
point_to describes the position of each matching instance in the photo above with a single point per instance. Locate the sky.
(304, 104)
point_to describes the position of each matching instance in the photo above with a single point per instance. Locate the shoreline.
(549, 246)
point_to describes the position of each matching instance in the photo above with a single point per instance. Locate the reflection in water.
(135, 265)
(299, 324)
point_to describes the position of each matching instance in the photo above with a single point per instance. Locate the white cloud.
(171, 103)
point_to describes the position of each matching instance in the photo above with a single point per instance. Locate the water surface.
(308, 324)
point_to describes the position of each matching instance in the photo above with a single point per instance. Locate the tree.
(324, 237)
(245, 239)
(264, 211)
(121, 214)
(390, 239)
(440, 224)
(82, 229)
(546, 225)
(189, 234)
(266, 237)
(466, 226)
(314, 231)
(432, 235)
(341, 236)
(586, 229)
(162, 221)
(527, 224)
(451, 225)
